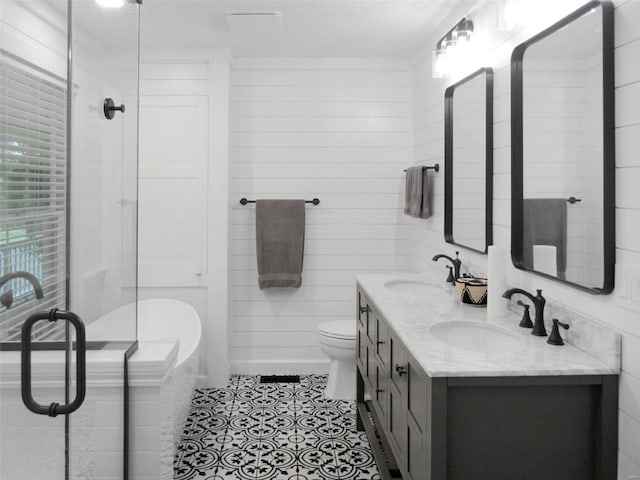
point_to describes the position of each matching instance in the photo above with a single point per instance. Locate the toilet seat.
(338, 329)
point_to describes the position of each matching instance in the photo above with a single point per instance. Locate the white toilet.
(338, 342)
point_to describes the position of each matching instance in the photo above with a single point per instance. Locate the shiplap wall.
(336, 129)
(621, 309)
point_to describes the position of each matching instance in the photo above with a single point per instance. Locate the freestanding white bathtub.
(162, 376)
(160, 320)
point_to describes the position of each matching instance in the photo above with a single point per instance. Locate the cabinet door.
(418, 395)
(381, 392)
(381, 342)
(362, 350)
(417, 452)
(371, 316)
(418, 404)
(397, 425)
(363, 310)
(371, 367)
(398, 364)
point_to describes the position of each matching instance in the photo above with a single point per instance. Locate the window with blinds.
(32, 191)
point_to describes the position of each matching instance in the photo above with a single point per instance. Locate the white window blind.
(32, 191)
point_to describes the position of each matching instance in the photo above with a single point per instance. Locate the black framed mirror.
(468, 156)
(563, 151)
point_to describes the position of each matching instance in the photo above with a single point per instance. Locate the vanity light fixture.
(452, 49)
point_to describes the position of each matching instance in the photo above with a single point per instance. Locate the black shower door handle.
(54, 409)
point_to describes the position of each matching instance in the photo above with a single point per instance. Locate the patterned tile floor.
(268, 431)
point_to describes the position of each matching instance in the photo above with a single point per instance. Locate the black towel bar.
(435, 168)
(244, 201)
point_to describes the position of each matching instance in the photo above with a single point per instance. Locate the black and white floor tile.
(272, 431)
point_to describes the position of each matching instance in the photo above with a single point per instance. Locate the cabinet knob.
(401, 370)
(381, 342)
(379, 390)
(364, 309)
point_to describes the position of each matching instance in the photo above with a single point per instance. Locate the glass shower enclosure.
(68, 235)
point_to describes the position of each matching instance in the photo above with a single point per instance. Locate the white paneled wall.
(336, 129)
(621, 309)
(183, 190)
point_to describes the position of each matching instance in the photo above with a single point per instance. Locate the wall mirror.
(468, 157)
(563, 153)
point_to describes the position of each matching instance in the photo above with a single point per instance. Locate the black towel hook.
(109, 108)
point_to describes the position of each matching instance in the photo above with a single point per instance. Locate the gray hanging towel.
(416, 193)
(545, 223)
(280, 242)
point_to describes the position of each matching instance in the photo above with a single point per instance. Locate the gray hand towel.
(280, 242)
(545, 223)
(417, 202)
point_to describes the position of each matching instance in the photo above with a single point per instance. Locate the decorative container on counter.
(472, 291)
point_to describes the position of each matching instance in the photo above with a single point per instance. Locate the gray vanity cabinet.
(460, 428)
(393, 391)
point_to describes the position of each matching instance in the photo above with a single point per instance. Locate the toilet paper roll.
(544, 259)
(497, 276)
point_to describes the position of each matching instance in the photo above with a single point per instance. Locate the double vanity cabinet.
(433, 411)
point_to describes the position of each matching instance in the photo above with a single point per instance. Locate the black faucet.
(538, 302)
(6, 299)
(457, 263)
(554, 337)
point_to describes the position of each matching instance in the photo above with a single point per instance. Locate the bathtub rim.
(183, 356)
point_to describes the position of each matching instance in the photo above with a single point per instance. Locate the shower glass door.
(68, 236)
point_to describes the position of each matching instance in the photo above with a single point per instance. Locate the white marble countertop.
(411, 317)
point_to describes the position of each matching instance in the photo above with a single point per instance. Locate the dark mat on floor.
(280, 379)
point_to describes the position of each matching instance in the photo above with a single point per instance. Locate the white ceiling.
(310, 28)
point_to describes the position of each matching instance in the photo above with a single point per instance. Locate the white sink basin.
(477, 337)
(415, 289)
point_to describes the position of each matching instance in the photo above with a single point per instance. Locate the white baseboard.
(201, 381)
(276, 367)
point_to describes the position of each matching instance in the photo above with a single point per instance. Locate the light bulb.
(438, 63)
(110, 3)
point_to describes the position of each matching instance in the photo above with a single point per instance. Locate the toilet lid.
(345, 329)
